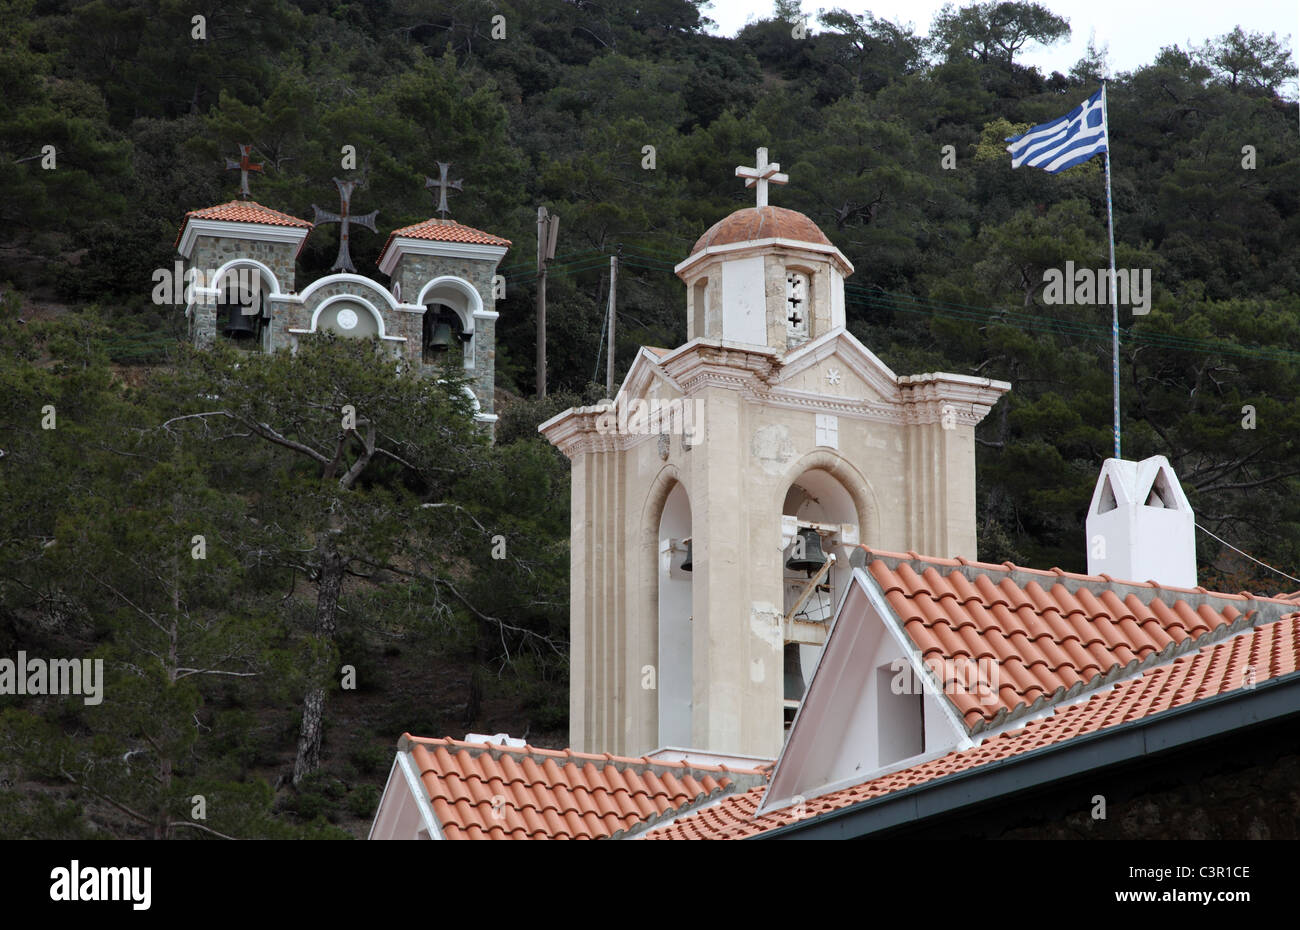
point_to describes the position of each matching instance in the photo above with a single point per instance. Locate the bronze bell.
(688, 565)
(441, 338)
(236, 323)
(813, 558)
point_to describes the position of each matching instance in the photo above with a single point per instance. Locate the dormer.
(764, 276)
(1140, 526)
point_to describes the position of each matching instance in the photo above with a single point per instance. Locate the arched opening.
(699, 307)
(448, 329)
(441, 339)
(816, 510)
(676, 666)
(242, 309)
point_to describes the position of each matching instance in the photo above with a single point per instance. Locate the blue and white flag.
(1065, 142)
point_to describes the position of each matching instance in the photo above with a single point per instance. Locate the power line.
(1247, 555)
(874, 298)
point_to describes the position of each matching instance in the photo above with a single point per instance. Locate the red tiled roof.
(1270, 651)
(1049, 634)
(482, 791)
(761, 223)
(243, 211)
(440, 230)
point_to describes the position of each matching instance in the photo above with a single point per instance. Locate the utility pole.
(548, 227)
(613, 307)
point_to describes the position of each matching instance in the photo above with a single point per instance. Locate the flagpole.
(1114, 298)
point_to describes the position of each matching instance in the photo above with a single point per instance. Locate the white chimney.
(1140, 526)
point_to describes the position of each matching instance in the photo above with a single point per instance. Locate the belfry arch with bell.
(705, 568)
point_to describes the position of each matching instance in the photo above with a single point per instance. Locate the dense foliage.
(155, 446)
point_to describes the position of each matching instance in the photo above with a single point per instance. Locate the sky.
(1134, 30)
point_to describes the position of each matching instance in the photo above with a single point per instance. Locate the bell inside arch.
(687, 564)
(442, 337)
(812, 558)
(236, 323)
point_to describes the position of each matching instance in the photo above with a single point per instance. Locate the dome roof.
(761, 223)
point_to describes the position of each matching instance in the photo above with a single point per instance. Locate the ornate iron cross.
(344, 218)
(762, 175)
(442, 185)
(245, 165)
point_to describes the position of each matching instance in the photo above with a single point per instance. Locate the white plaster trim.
(486, 314)
(211, 290)
(416, 787)
(379, 317)
(465, 289)
(402, 245)
(337, 298)
(346, 277)
(233, 229)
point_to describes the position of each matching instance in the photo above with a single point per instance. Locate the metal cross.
(762, 175)
(344, 218)
(245, 165)
(442, 185)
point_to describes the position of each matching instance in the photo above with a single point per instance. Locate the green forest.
(272, 615)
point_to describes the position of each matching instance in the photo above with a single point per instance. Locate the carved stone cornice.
(933, 396)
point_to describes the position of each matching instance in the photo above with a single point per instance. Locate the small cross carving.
(344, 218)
(442, 186)
(245, 164)
(762, 175)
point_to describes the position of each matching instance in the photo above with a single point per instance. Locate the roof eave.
(1269, 701)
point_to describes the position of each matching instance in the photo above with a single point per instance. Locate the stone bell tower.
(717, 498)
(439, 308)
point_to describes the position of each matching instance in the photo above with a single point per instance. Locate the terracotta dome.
(761, 223)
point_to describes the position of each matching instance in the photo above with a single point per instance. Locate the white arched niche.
(676, 668)
(458, 296)
(817, 497)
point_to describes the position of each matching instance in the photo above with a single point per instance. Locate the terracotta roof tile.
(761, 223)
(242, 211)
(1049, 633)
(496, 792)
(1271, 650)
(440, 230)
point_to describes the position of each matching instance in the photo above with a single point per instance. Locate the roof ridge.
(1021, 575)
(621, 763)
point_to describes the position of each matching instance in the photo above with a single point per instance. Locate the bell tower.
(439, 310)
(717, 498)
(449, 270)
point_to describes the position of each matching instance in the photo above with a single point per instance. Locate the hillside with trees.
(374, 546)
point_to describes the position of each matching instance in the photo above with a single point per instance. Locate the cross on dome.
(762, 175)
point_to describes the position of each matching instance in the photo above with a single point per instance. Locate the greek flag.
(1064, 142)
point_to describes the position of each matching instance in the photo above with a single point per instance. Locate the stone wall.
(211, 252)
(413, 272)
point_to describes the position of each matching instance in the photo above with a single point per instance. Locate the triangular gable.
(841, 732)
(838, 352)
(642, 376)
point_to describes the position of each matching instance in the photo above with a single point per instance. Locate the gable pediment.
(838, 366)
